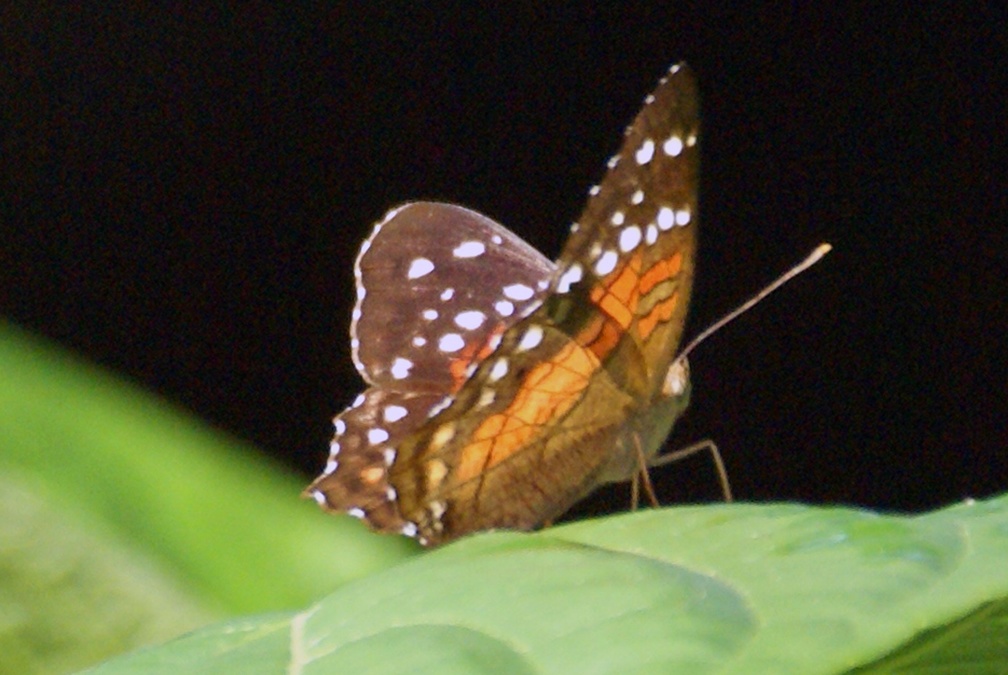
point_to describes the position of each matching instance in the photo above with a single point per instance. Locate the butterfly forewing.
(633, 247)
(553, 411)
(437, 285)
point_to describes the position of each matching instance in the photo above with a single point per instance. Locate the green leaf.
(123, 521)
(717, 589)
(70, 594)
(116, 503)
(975, 645)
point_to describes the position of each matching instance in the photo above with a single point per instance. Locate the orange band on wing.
(470, 354)
(660, 313)
(548, 391)
(601, 336)
(663, 270)
(618, 298)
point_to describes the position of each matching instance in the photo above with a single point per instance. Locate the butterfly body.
(548, 379)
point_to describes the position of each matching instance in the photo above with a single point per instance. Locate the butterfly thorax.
(648, 427)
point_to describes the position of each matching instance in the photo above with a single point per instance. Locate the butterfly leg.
(693, 449)
(642, 477)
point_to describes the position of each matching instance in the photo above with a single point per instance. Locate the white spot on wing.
(447, 294)
(437, 509)
(532, 338)
(629, 238)
(418, 341)
(518, 292)
(442, 436)
(469, 249)
(394, 413)
(651, 234)
(682, 217)
(470, 320)
(666, 218)
(499, 370)
(487, 397)
(429, 314)
(617, 218)
(573, 275)
(377, 435)
(439, 406)
(330, 467)
(419, 267)
(340, 427)
(504, 308)
(400, 368)
(450, 342)
(645, 152)
(606, 263)
(637, 197)
(673, 146)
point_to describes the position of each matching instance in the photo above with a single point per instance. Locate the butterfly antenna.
(812, 259)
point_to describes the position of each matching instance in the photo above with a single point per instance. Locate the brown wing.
(437, 285)
(542, 421)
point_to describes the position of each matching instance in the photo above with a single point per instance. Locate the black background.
(183, 193)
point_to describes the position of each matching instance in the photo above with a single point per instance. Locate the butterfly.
(502, 387)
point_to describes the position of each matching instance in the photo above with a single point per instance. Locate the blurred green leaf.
(725, 588)
(141, 480)
(71, 594)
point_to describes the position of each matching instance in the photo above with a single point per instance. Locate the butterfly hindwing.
(437, 285)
